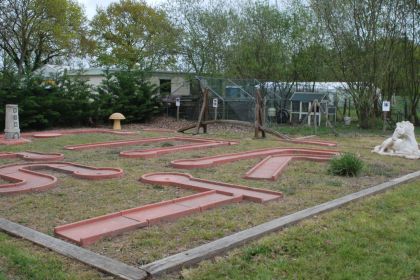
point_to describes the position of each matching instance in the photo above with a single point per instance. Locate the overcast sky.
(90, 5)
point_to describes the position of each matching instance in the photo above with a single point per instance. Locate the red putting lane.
(272, 167)
(195, 143)
(58, 133)
(34, 156)
(212, 194)
(8, 142)
(155, 152)
(311, 142)
(205, 162)
(23, 178)
(157, 129)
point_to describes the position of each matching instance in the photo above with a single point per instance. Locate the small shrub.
(347, 164)
(167, 144)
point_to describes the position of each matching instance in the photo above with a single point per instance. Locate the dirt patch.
(171, 123)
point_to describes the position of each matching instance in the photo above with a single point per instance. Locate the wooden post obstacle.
(257, 125)
(203, 112)
(259, 108)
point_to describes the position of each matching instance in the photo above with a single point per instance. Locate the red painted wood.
(269, 168)
(155, 152)
(46, 135)
(212, 194)
(59, 132)
(312, 142)
(156, 129)
(272, 167)
(8, 142)
(194, 143)
(210, 161)
(24, 178)
(33, 156)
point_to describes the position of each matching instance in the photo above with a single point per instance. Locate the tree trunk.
(413, 113)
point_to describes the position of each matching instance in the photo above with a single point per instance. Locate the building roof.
(51, 70)
(307, 96)
(300, 86)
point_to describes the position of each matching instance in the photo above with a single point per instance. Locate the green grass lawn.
(341, 129)
(22, 260)
(376, 238)
(304, 184)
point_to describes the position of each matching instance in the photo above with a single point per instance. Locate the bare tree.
(33, 32)
(411, 55)
(361, 34)
(205, 34)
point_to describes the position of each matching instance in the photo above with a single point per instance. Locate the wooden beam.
(235, 122)
(203, 112)
(185, 128)
(224, 244)
(275, 133)
(90, 258)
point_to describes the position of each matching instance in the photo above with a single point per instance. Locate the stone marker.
(11, 127)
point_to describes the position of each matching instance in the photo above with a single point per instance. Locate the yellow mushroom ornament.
(117, 117)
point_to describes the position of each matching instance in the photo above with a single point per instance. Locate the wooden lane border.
(90, 258)
(220, 246)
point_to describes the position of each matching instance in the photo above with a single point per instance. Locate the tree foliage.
(259, 46)
(34, 32)
(127, 92)
(68, 100)
(362, 35)
(131, 34)
(62, 101)
(205, 34)
(372, 45)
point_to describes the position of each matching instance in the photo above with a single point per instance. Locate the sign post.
(178, 104)
(386, 107)
(215, 105)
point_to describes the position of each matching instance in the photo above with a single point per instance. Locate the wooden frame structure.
(259, 129)
(316, 106)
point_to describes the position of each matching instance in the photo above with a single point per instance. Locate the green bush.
(65, 101)
(347, 164)
(60, 101)
(129, 93)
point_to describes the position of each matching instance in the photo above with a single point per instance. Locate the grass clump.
(167, 144)
(347, 164)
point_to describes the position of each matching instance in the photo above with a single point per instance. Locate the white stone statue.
(402, 143)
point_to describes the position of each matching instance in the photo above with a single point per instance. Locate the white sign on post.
(215, 102)
(386, 106)
(178, 102)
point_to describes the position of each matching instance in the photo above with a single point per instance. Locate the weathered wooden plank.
(220, 246)
(90, 258)
(275, 133)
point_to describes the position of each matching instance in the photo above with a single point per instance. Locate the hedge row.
(66, 101)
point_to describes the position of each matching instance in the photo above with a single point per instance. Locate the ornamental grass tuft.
(347, 164)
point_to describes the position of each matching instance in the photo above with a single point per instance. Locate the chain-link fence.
(283, 102)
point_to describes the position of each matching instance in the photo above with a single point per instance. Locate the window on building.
(165, 86)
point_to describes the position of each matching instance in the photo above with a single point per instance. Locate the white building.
(173, 83)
